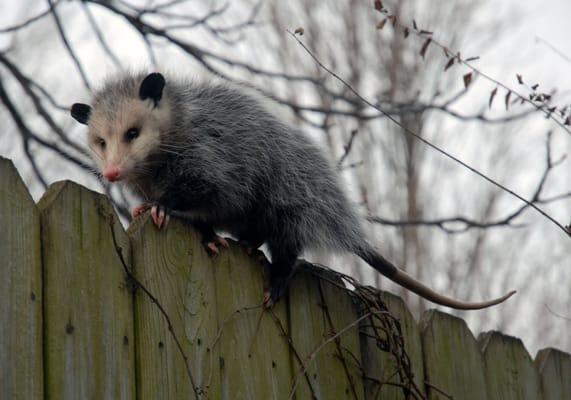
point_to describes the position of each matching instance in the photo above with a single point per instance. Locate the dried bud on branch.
(507, 100)
(425, 47)
(381, 24)
(449, 63)
(467, 79)
(492, 95)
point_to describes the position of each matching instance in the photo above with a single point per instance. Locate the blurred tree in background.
(445, 225)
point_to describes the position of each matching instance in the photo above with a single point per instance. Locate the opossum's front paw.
(160, 216)
(212, 243)
(136, 211)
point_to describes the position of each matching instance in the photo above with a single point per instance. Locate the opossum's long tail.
(378, 262)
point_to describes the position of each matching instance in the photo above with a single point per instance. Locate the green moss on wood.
(21, 360)
(554, 367)
(88, 311)
(310, 326)
(510, 372)
(452, 360)
(173, 266)
(381, 365)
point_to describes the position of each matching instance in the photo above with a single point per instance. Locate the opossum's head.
(127, 118)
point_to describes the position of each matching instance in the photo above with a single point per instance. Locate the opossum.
(216, 154)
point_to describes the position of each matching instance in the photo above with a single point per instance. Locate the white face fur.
(121, 144)
(126, 124)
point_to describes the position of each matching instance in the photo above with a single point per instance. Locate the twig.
(555, 49)
(347, 148)
(289, 340)
(311, 356)
(100, 37)
(442, 392)
(156, 302)
(557, 314)
(67, 45)
(337, 341)
(29, 21)
(452, 55)
(426, 142)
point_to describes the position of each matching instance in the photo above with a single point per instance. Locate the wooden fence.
(89, 311)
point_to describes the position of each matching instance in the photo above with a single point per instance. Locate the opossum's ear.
(80, 112)
(152, 87)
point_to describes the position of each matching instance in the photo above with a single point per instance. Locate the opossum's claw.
(136, 211)
(213, 248)
(222, 242)
(214, 242)
(268, 302)
(160, 216)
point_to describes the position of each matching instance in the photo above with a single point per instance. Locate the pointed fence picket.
(91, 311)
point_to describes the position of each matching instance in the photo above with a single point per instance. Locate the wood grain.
(88, 308)
(21, 358)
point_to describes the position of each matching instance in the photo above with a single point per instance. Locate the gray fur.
(232, 165)
(238, 165)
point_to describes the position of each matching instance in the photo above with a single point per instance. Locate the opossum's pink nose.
(112, 173)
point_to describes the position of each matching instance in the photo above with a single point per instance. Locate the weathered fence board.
(172, 265)
(554, 367)
(21, 369)
(452, 360)
(510, 373)
(254, 356)
(88, 312)
(509, 369)
(318, 311)
(381, 366)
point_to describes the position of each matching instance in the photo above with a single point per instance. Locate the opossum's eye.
(131, 134)
(101, 143)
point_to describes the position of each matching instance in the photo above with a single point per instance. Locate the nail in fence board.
(554, 367)
(510, 372)
(21, 370)
(452, 360)
(88, 311)
(332, 370)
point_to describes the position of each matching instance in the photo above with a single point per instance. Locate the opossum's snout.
(112, 173)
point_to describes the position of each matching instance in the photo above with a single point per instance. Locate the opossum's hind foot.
(275, 291)
(280, 272)
(210, 240)
(213, 243)
(160, 216)
(276, 288)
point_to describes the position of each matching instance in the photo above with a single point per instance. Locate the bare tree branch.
(67, 45)
(29, 21)
(434, 147)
